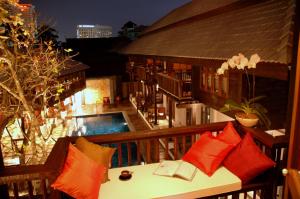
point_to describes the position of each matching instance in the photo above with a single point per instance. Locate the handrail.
(173, 86)
(169, 77)
(55, 161)
(151, 134)
(268, 140)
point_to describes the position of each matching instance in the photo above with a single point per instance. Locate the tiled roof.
(264, 28)
(73, 66)
(188, 10)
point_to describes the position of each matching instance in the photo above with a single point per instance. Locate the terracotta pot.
(246, 120)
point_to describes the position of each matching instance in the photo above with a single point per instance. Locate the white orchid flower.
(251, 64)
(241, 56)
(231, 63)
(224, 66)
(255, 58)
(244, 62)
(220, 71)
(240, 62)
(236, 60)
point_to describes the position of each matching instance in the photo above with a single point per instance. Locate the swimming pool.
(101, 124)
(106, 124)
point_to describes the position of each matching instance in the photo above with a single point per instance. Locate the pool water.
(106, 124)
(102, 124)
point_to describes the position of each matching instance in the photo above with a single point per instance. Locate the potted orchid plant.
(249, 112)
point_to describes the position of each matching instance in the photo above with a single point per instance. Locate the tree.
(47, 34)
(131, 30)
(29, 73)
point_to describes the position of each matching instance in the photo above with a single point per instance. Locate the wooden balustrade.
(174, 86)
(137, 148)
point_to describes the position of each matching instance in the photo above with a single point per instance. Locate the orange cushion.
(247, 161)
(230, 135)
(208, 153)
(101, 154)
(81, 176)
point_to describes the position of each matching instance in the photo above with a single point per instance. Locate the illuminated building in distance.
(94, 31)
(29, 17)
(27, 12)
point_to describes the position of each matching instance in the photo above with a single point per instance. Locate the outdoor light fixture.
(165, 66)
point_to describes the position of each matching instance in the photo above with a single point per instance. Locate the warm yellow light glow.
(77, 102)
(91, 96)
(63, 114)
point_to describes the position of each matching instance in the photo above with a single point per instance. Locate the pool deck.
(136, 119)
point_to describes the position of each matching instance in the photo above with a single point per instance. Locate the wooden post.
(170, 112)
(155, 92)
(155, 105)
(3, 188)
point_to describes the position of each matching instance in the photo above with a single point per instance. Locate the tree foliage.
(29, 70)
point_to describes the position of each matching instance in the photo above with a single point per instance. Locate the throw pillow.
(229, 135)
(207, 153)
(247, 160)
(81, 176)
(101, 154)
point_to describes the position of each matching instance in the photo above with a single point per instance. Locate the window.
(216, 84)
(212, 83)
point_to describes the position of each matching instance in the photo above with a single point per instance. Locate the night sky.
(65, 15)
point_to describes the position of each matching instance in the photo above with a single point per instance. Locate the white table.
(144, 184)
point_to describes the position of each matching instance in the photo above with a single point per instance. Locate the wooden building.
(185, 48)
(73, 77)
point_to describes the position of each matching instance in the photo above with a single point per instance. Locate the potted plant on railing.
(249, 112)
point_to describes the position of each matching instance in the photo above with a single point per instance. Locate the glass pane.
(209, 81)
(203, 80)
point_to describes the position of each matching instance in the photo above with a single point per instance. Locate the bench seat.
(144, 184)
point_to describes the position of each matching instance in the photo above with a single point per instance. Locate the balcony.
(180, 89)
(151, 147)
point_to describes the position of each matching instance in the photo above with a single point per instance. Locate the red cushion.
(247, 161)
(230, 135)
(81, 176)
(207, 153)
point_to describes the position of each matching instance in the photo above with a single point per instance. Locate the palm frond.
(255, 99)
(259, 107)
(231, 105)
(263, 119)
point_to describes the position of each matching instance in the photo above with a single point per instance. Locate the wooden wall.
(275, 90)
(276, 101)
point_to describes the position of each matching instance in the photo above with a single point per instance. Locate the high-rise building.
(94, 31)
(27, 12)
(29, 16)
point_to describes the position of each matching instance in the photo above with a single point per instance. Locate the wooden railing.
(173, 86)
(141, 147)
(20, 179)
(73, 88)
